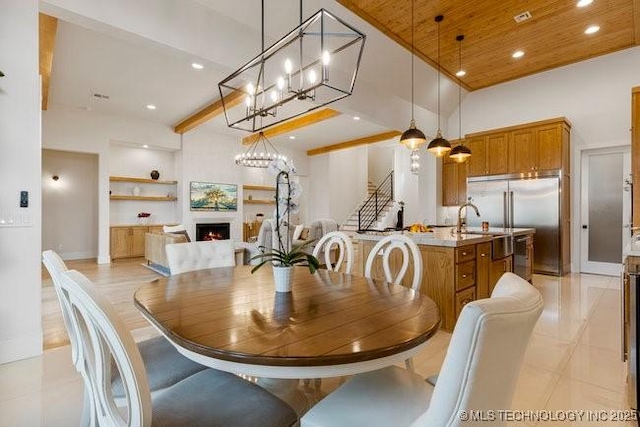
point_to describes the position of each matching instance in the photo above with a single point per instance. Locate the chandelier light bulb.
(312, 77)
(247, 101)
(274, 96)
(280, 83)
(326, 57)
(288, 66)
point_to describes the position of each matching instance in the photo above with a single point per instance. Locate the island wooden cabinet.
(483, 265)
(454, 182)
(127, 242)
(498, 268)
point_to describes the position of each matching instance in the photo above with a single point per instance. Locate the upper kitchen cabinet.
(454, 181)
(488, 153)
(635, 153)
(539, 146)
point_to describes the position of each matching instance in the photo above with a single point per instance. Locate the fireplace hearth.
(213, 231)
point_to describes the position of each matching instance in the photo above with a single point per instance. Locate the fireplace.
(213, 231)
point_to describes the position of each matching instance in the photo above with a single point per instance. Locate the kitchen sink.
(501, 243)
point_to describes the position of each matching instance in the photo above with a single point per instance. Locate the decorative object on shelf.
(259, 154)
(1, 74)
(284, 256)
(294, 75)
(55, 177)
(155, 174)
(259, 217)
(413, 137)
(207, 196)
(143, 218)
(135, 191)
(439, 145)
(250, 197)
(460, 153)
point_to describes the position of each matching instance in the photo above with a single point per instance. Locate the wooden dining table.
(331, 324)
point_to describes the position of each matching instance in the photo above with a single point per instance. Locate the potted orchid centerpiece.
(285, 256)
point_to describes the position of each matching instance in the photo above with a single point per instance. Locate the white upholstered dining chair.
(342, 243)
(183, 257)
(209, 397)
(410, 252)
(479, 372)
(164, 365)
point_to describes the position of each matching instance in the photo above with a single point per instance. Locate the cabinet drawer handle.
(483, 255)
(464, 253)
(464, 276)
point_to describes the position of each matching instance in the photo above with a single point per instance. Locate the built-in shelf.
(144, 198)
(259, 202)
(141, 180)
(259, 187)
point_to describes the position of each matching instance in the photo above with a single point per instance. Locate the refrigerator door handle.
(505, 207)
(511, 209)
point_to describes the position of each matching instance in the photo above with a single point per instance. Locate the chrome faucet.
(459, 226)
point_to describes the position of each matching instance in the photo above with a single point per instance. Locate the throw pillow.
(297, 232)
(305, 234)
(177, 229)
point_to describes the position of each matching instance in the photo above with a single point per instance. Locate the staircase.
(350, 226)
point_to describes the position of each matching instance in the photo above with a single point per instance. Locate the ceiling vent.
(100, 96)
(524, 16)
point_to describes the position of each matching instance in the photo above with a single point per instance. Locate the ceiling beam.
(208, 112)
(372, 139)
(293, 124)
(48, 27)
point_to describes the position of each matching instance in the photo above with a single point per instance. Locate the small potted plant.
(284, 257)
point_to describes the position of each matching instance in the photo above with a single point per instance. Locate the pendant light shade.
(413, 137)
(460, 153)
(439, 146)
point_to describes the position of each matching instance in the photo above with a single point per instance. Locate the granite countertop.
(448, 238)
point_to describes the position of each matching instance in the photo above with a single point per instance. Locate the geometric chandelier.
(313, 65)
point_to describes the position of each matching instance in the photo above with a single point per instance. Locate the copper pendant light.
(413, 137)
(461, 152)
(439, 145)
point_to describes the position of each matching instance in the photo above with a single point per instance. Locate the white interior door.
(605, 210)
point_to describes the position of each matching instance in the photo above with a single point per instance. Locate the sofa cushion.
(297, 232)
(304, 235)
(177, 229)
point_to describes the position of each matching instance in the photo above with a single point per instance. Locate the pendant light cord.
(460, 38)
(412, 55)
(439, 75)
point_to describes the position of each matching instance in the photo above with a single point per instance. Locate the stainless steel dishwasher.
(520, 257)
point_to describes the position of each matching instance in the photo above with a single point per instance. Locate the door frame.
(609, 269)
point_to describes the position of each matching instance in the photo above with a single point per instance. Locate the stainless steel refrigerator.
(510, 201)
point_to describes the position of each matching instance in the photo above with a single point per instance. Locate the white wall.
(70, 204)
(595, 95)
(72, 129)
(20, 268)
(380, 163)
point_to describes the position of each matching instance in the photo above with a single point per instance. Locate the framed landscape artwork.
(208, 196)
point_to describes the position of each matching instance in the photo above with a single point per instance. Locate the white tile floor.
(573, 362)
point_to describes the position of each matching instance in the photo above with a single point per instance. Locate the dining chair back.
(183, 257)
(335, 240)
(209, 397)
(409, 251)
(479, 372)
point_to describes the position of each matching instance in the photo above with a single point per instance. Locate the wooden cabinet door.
(463, 298)
(477, 163)
(461, 177)
(522, 151)
(120, 242)
(483, 264)
(497, 153)
(498, 268)
(549, 146)
(449, 184)
(137, 241)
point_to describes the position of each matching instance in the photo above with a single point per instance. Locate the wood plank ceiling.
(553, 37)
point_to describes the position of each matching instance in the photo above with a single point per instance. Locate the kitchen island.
(457, 268)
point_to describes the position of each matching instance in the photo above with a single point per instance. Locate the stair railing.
(370, 210)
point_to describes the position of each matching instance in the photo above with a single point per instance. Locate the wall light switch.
(24, 199)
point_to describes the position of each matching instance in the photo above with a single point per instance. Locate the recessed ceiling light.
(583, 3)
(518, 54)
(592, 29)
(356, 118)
(151, 107)
(292, 137)
(197, 66)
(461, 73)
(145, 146)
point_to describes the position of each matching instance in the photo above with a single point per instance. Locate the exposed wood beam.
(372, 139)
(48, 27)
(293, 124)
(208, 112)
